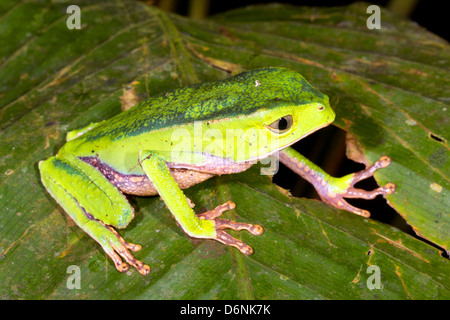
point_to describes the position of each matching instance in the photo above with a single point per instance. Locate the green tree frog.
(183, 137)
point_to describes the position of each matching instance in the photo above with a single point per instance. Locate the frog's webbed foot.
(221, 224)
(116, 247)
(337, 200)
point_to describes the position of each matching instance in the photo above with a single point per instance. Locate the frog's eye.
(281, 125)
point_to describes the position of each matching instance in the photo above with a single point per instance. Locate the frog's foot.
(337, 200)
(116, 246)
(221, 224)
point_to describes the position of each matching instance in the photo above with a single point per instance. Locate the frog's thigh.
(78, 192)
(94, 194)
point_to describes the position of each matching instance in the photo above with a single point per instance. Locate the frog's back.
(240, 95)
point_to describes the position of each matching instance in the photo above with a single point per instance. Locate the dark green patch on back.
(240, 95)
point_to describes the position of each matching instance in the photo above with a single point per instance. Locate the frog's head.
(246, 117)
(279, 107)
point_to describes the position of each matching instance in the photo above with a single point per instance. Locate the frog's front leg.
(94, 204)
(333, 190)
(206, 225)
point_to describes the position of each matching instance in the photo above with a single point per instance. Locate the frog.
(180, 138)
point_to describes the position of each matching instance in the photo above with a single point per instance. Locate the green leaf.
(389, 88)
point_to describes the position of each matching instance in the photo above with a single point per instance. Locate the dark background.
(431, 14)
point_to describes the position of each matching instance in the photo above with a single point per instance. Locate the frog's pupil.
(282, 124)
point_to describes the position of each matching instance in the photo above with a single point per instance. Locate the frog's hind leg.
(94, 204)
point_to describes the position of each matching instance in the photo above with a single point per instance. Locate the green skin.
(160, 147)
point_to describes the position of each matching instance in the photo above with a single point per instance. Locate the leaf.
(390, 98)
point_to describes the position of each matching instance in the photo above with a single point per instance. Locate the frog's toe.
(341, 203)
(351, 192)
(383, 162)
(221, 224)
(140, 267)
(120, 265)
(254, 229)
(130, 246)
(116, 247)
(217, 211)
(228, 240)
